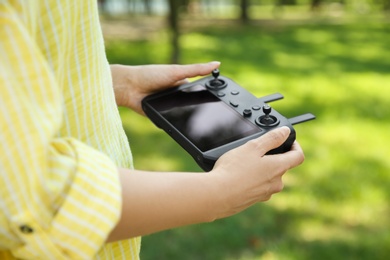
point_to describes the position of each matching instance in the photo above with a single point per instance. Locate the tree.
(173, 21)
(315, 5)
(386, 5)
(244, 6)
(148, 6)
(102, 5)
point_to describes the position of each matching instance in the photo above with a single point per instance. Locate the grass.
(334, 206)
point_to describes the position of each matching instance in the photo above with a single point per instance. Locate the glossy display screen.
(202, 118)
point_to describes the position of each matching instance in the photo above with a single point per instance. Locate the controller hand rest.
(213, 115)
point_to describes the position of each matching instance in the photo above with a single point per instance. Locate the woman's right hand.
(155, 201)
(246, 175)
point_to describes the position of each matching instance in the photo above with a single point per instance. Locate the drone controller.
(213, 115)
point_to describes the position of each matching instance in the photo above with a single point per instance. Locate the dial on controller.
(216, 83)
(267, 120)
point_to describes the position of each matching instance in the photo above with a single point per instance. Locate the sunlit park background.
(329, 57)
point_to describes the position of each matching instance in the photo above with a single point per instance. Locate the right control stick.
(267, 119)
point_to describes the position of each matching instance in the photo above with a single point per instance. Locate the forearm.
(156, 201)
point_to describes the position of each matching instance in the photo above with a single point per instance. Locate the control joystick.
(216, 83)
(267, 119)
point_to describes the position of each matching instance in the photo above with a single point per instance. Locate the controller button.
(234, 104)
(247, 112)
(256, 107)
(221, 94)
(235, 92)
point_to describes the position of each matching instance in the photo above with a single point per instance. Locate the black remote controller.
(213, 115)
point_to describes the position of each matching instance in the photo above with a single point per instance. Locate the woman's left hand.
(133, 83)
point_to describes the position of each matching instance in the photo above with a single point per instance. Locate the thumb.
(270, 140)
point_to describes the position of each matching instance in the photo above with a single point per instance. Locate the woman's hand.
(246, 175)
(155, 201)
(133, 83)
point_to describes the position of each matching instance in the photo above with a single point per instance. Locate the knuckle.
(267, 198)
(279, 187)
(301, 158)
(299, 154)
(253, 144)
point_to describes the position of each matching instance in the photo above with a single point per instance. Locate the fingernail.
(215, 63)
(286, 130)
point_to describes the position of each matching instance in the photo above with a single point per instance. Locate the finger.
(275, 186)
(270, 140)
(295, 156)
(193, 70)
(290, 159)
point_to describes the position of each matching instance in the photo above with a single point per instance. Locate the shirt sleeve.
(59, 198)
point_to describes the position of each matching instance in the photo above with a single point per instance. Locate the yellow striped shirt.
(61, 135)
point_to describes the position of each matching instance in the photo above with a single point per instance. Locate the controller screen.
(204, 119)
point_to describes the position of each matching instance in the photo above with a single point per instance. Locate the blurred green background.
(333, 61)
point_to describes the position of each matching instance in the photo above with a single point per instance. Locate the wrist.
(120, 83)
(218, 193)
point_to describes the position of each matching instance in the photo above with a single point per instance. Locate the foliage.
(334, 206)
